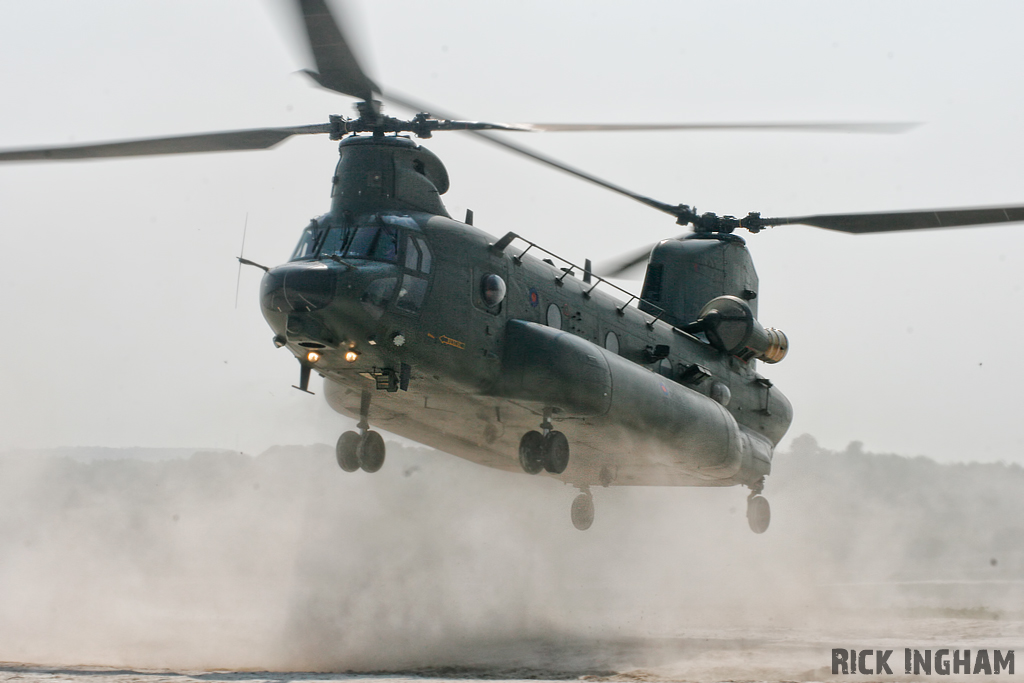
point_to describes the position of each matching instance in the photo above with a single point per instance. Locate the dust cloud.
(435, 565)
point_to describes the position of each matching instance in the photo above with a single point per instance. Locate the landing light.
(312, 356)
(351, 356)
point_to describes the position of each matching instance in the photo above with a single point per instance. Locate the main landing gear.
(363, 449)
(759, 513)
(544, 450)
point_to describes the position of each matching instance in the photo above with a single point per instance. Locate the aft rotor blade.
(336, 63)
(627, 262)
(863, 223)
(795, 126)
(224, 141)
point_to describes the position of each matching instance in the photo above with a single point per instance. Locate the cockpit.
(375, 238)
(366, 243)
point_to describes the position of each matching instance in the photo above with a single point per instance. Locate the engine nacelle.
(730, 326)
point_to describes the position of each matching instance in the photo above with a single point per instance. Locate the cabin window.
(492, 290)
(411, 294)
(720, 393)
(611, 342)
(378, 294)
(554, 317)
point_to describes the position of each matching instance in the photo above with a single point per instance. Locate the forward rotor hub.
(709, 222)
(423, 125)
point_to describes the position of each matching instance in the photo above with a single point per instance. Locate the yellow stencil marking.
(444, 339)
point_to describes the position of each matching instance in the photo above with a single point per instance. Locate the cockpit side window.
(425, 250)
(412, 254)
(307, 247)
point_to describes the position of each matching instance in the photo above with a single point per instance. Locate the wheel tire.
(531, 452)
(759, 514)
(556, 452)
(347, 451)
(371, 452)
(582, 512)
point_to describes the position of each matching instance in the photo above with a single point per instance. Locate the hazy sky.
(120, 326)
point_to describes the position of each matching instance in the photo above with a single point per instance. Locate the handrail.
(510, 237)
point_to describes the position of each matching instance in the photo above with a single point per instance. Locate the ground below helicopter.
(226, 562)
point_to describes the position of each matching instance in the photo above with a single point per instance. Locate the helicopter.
(489, 347)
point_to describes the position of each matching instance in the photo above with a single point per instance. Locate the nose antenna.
(241, 253)
(242, 261)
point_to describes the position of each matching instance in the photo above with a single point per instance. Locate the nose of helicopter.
(316, 304)
(298, 287)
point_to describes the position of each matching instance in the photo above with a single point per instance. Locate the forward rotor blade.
(337, 66)
(565, 168)
(408, 103)
(225, 141)
(863, 223)
(682, 213)
(808, 127)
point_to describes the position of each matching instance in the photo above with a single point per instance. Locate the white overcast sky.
(119, 323)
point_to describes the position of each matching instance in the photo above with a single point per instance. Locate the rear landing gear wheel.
(531, 452)
(347, 451)
(759, 514)
(583, 511)
(556, 452)
(371, 452)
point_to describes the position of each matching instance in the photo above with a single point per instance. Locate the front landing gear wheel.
(347, 451)
(583, 511)
(556, 452)
(759, 514)
(531, 452)
(371, 452)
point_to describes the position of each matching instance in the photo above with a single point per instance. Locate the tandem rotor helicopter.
(493, 349)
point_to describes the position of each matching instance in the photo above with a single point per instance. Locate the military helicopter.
(495, 350)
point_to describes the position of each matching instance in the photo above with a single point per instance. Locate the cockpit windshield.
(378, 241)
(370, 242)
(306, 248)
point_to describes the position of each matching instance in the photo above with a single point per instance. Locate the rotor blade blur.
(884, 127)
(625, 263)
(862, 223)
(806, 127)
(404, 101)
(225, 141)
(670, 209)
(337, 66)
